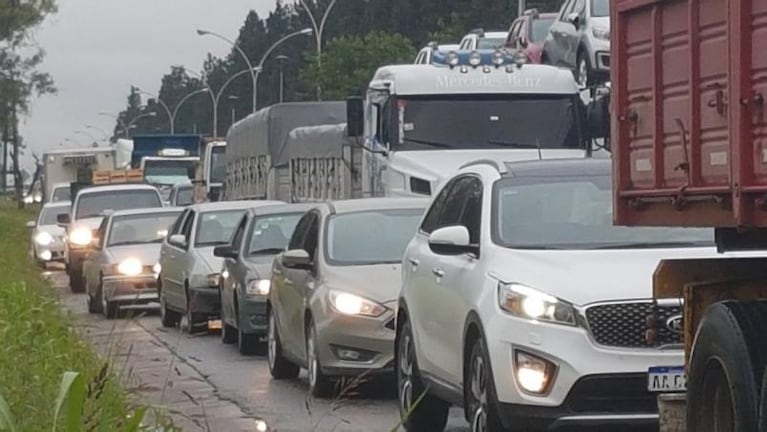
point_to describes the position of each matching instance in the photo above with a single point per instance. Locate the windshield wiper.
(135, 242)
(428, 143)
(267, 251)
(648, 245)
(512, 144)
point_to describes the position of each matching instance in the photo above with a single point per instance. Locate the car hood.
(380, 283)
(435, 165)
(91, 223)
(53, 230)
(600, 22)
(149, 254)
(587, 276)
(214, 263)
(259, 267)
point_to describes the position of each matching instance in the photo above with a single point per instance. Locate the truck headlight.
(527, 302)
(130, 267)
(258, 287)
(601, 33)
(350, 304)
(43, 239)
(81, 236)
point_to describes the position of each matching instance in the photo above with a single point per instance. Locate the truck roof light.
(173, 152)
(475, 58)
(464, 69)
(498, 58)
(452, 59)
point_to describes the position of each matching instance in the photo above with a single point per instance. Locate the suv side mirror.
(297, 259)
(177, 240)
(574, 19)
(598, 116)
(355, 117)
(225, 251)
(452, 240)
(63, 220)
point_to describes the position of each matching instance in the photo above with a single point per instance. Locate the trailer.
(689, 142)
(73, 165)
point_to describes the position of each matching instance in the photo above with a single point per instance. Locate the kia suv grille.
(625, 324)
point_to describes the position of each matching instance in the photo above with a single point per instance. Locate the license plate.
(666, 379)
(214, 325)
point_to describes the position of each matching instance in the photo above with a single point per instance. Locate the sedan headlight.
(601, 33)
(43, 239)
(258, 287)
(350, 304)
(529, 303)
(81, 236)
(214, 280)
(130, 267)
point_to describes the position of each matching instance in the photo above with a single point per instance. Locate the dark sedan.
(245, 282)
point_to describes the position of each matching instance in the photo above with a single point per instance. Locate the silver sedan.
(121, 264)
(334, 291)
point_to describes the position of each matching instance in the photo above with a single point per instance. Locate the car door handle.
(414, 262)
(438, 272)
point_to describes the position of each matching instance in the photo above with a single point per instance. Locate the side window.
(297, 239)
(101, 233)
(419, 59)
(432, 216)
(176, 228)
(186, 230)
(451, 214)
(566, 8)
(511, 41)
(465, 43)
(580, 8)
(312, 237)
(240, 233)
(471, 216)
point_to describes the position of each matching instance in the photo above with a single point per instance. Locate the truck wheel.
(726, 367)
(76, 283)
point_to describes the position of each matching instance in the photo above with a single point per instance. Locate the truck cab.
(166, 160)
(422, 122)
(212, 176)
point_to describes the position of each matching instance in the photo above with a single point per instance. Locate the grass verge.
(38, 343)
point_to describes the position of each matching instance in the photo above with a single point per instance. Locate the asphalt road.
(232, 379)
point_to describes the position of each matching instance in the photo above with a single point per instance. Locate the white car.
(524, 305)
(60, 192)
(47, 243)
(189, 272)
(478, 39)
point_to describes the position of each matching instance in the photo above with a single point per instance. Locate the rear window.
(61, 194)
(94, 204)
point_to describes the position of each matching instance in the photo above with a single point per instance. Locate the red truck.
(689, 143)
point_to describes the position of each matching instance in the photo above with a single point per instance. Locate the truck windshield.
(140, 229)
(93, 204)
(574, 213)
(218, 165)
(491, 122)
(271, 233)
(63, 193)
(168, 172)
(349, 239)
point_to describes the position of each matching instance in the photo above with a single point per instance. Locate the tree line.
(359, 37)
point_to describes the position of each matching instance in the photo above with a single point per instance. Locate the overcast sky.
(97, 48)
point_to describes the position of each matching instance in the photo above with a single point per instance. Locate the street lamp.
(244, 56)
(260, 67)
(282, 59)
(319, 31)
(132, 123)
(98, 129)
(119, 121)
(165, 107)
(181, 102)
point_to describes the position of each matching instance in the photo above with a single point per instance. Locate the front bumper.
(372, 339)
(593, 384)
(253, 316)
(206, 301)
(130, 289)
(56, 250)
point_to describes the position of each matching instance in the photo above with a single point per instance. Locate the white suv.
(523, 304)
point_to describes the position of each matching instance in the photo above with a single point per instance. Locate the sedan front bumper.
(131, 289)
(351, 345)
(253, 316)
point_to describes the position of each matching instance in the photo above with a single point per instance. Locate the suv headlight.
(259, 287)
(130, 267)
(530, 303)
(350, 304)
(81, 236)
(43, 238)
(601, 33)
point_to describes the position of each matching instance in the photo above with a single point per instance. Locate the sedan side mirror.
(31, 224)
(63, 219)
(574, 19)
(225, 251)
(297, 259)
(177, 240)
(452, 240)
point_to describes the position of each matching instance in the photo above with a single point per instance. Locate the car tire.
(249, 343)
(479, 392)
(191, 319)
(228, 333)
(109, 308)
(280, 367)
(94, 302)
(419, 410)
(727, 366)
(76, 283)
(168, 317)
(320, 385)
(583, 67)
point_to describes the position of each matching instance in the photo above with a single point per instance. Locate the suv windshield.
(218, 164)
(93, 204)
(271, 234)
(140, 229)
(540, 29)
(48, 216)
(355, 238)
(574, 213)
(489, 122)
(216, 227)
(63, 193)
(600, 8)
(490, 43)
(168, 171)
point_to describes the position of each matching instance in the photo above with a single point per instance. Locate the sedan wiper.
(647, 245)
(513, 144)
(267, 251)
(135, 242)
(428, 143)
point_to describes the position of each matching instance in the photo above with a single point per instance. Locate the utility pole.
(6, 140)
(18, 182)
(522, 7)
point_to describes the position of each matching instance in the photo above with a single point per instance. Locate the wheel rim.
(405, 375)
(272, 351)
(313, 362)
(478, 392)
(582, 73)
(717, 400)
(104, 303)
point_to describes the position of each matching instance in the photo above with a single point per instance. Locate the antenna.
(538, 145)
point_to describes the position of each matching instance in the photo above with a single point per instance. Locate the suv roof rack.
(499, 166)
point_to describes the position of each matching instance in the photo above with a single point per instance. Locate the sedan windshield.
(489, 122)
(600, 8)
(93, 204)
(140, 229)
(270, 234)
(574, 213)
(48, 216)
(216, 227)
(61, 194)
(370, 237)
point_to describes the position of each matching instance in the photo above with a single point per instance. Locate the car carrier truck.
(689, 141)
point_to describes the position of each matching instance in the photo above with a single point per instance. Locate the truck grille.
(624, 324)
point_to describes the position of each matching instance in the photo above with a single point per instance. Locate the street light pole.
(171, 120)
(260, 67)
(282, 59)
(119, 121)
(181, 102)
(319, 31)
(234, 112)
(254, 76)
(137, 118)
